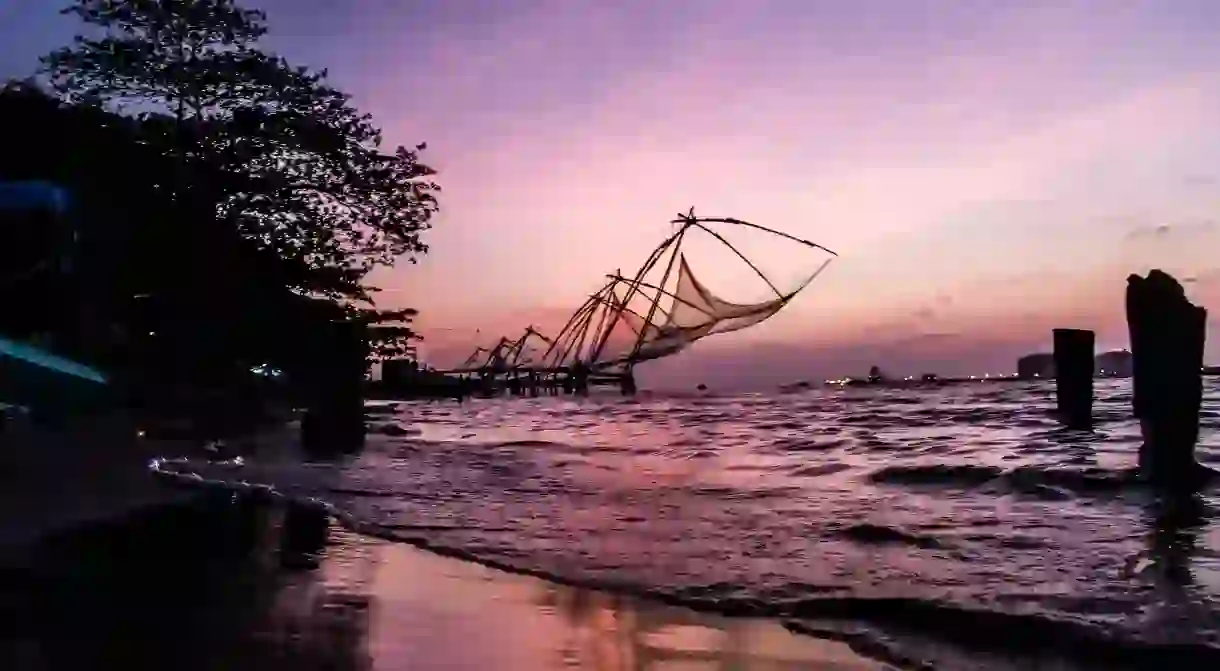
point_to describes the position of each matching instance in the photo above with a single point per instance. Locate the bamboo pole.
(648, 265)
(742, 257)
(673, 257)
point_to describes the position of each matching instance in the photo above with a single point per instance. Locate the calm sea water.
(910, 520)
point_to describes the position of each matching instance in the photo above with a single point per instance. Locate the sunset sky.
(986, 170)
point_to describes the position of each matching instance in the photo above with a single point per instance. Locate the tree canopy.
(141, 266)
(267, 149)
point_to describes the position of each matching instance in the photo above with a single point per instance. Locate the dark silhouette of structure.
(1167, 338)
(1074, 377)
(659, 311)
(1116, 363)
(405, 378)
(395, 372)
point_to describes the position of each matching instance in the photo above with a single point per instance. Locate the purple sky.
(987, 171)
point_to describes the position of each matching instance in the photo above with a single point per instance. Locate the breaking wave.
(907, 524)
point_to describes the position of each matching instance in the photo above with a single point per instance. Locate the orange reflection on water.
(237, 586)
(430, 612)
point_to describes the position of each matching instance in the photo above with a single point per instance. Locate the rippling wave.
(909, 517)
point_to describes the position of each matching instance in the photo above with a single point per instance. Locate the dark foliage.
(286, 160)
(151, 287)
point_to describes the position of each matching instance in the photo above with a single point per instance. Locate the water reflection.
(1180, 611)
(1174, 526)
(608, 632)
(959, 501)
(433, 612)
(235, 585)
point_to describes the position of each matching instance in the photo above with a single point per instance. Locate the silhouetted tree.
(132, 276)
(110, 173)
(391, 334)
(290, 162)
(190, 58)
(166, 298)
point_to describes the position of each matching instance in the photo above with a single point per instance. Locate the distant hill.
(1115, 363)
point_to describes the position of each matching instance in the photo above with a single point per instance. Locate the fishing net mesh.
(695, 312)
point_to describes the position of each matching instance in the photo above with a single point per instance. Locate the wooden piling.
(1074, 377)
(580, 379)
(628, 383)
(1167, 337)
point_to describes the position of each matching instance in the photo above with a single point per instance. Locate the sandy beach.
(219, 583)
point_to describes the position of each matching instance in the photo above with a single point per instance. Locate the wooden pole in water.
(1167, 337)
(580, 379)
(627, 384)
(1074, 377)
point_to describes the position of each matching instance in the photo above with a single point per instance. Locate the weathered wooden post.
(1074, 377)
(1167, 337)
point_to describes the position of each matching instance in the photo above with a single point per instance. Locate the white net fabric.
(695, 312)
(664, 308)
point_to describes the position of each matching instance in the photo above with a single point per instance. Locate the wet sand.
(440, 613)
(225, 583)
(54, 478)
(91, 469)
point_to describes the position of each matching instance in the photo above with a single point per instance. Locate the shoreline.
(619, 631)
(84, 473)
(94, 470)
(831, 651)
(217, 581)
(261, 518)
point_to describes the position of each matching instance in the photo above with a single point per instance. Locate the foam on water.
(958, 514)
